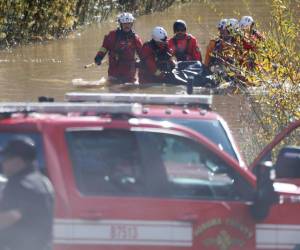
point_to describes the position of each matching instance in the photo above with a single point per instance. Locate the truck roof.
(161, 105)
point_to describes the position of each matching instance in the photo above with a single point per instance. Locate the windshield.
(213, 130)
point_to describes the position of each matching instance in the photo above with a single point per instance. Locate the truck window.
(213, 130)
(191, 170)
(142, 163)
(106, 162)
(286, 157)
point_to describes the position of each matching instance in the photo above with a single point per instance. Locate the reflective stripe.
(277, 236)
(102, 49)
(123, 232)
(160, 233)
(157, 72)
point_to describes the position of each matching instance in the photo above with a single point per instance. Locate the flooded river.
(52, 68)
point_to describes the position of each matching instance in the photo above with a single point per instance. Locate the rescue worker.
(250, 34)
(122, 45)
(250, 38)
(183, 45)
(26, 207)
(233, 27)
(236, 37)
(221, 49)
(156, 60)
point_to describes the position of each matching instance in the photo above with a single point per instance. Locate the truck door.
(148, 189)
(281, 230)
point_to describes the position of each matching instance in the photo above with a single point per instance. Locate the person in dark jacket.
(156, 59)
(27, 202)
(122, 45)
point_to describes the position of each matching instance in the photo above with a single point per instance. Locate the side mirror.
(288, 163)
(265, 195)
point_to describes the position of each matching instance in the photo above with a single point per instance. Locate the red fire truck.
(126, 182)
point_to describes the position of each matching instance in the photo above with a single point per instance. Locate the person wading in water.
(122, 45)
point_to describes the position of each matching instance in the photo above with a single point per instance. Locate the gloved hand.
(98, 59)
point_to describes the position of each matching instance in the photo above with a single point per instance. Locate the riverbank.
(23, 22)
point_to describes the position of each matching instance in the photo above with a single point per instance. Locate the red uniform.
(155, 61)
(121, 47)
(249, 43)
(185, 48)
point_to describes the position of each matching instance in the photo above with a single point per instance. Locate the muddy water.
(54, 67)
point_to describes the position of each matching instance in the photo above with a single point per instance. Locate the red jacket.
(121, 47)
(249, 46)
(249, 43)
(185, 48)
(155, 61)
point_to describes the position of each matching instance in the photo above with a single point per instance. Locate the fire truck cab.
(193, 111)
(126, 182)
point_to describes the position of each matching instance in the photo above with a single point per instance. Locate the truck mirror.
(265, 195)
(288, 162)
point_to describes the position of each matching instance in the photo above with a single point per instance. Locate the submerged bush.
(278, 71)
(22, 21)
(268, 76)
(275, 99)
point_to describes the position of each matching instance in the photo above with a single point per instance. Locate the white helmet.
(246, 21)
(234, 23)
(159, 34)
(126, 18)
(222, 24)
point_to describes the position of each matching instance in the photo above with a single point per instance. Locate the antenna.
(65, 108)
(201, 100)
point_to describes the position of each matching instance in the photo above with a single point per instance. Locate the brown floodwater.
(52, 68)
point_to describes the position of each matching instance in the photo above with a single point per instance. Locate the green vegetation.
(278, 69)
(27, 20)
(269, 76)
(272, 85)
(23, 21)
(277, 74)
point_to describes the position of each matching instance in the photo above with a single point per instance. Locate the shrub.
(23, 21)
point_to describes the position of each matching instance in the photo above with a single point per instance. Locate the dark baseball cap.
(21, 146)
